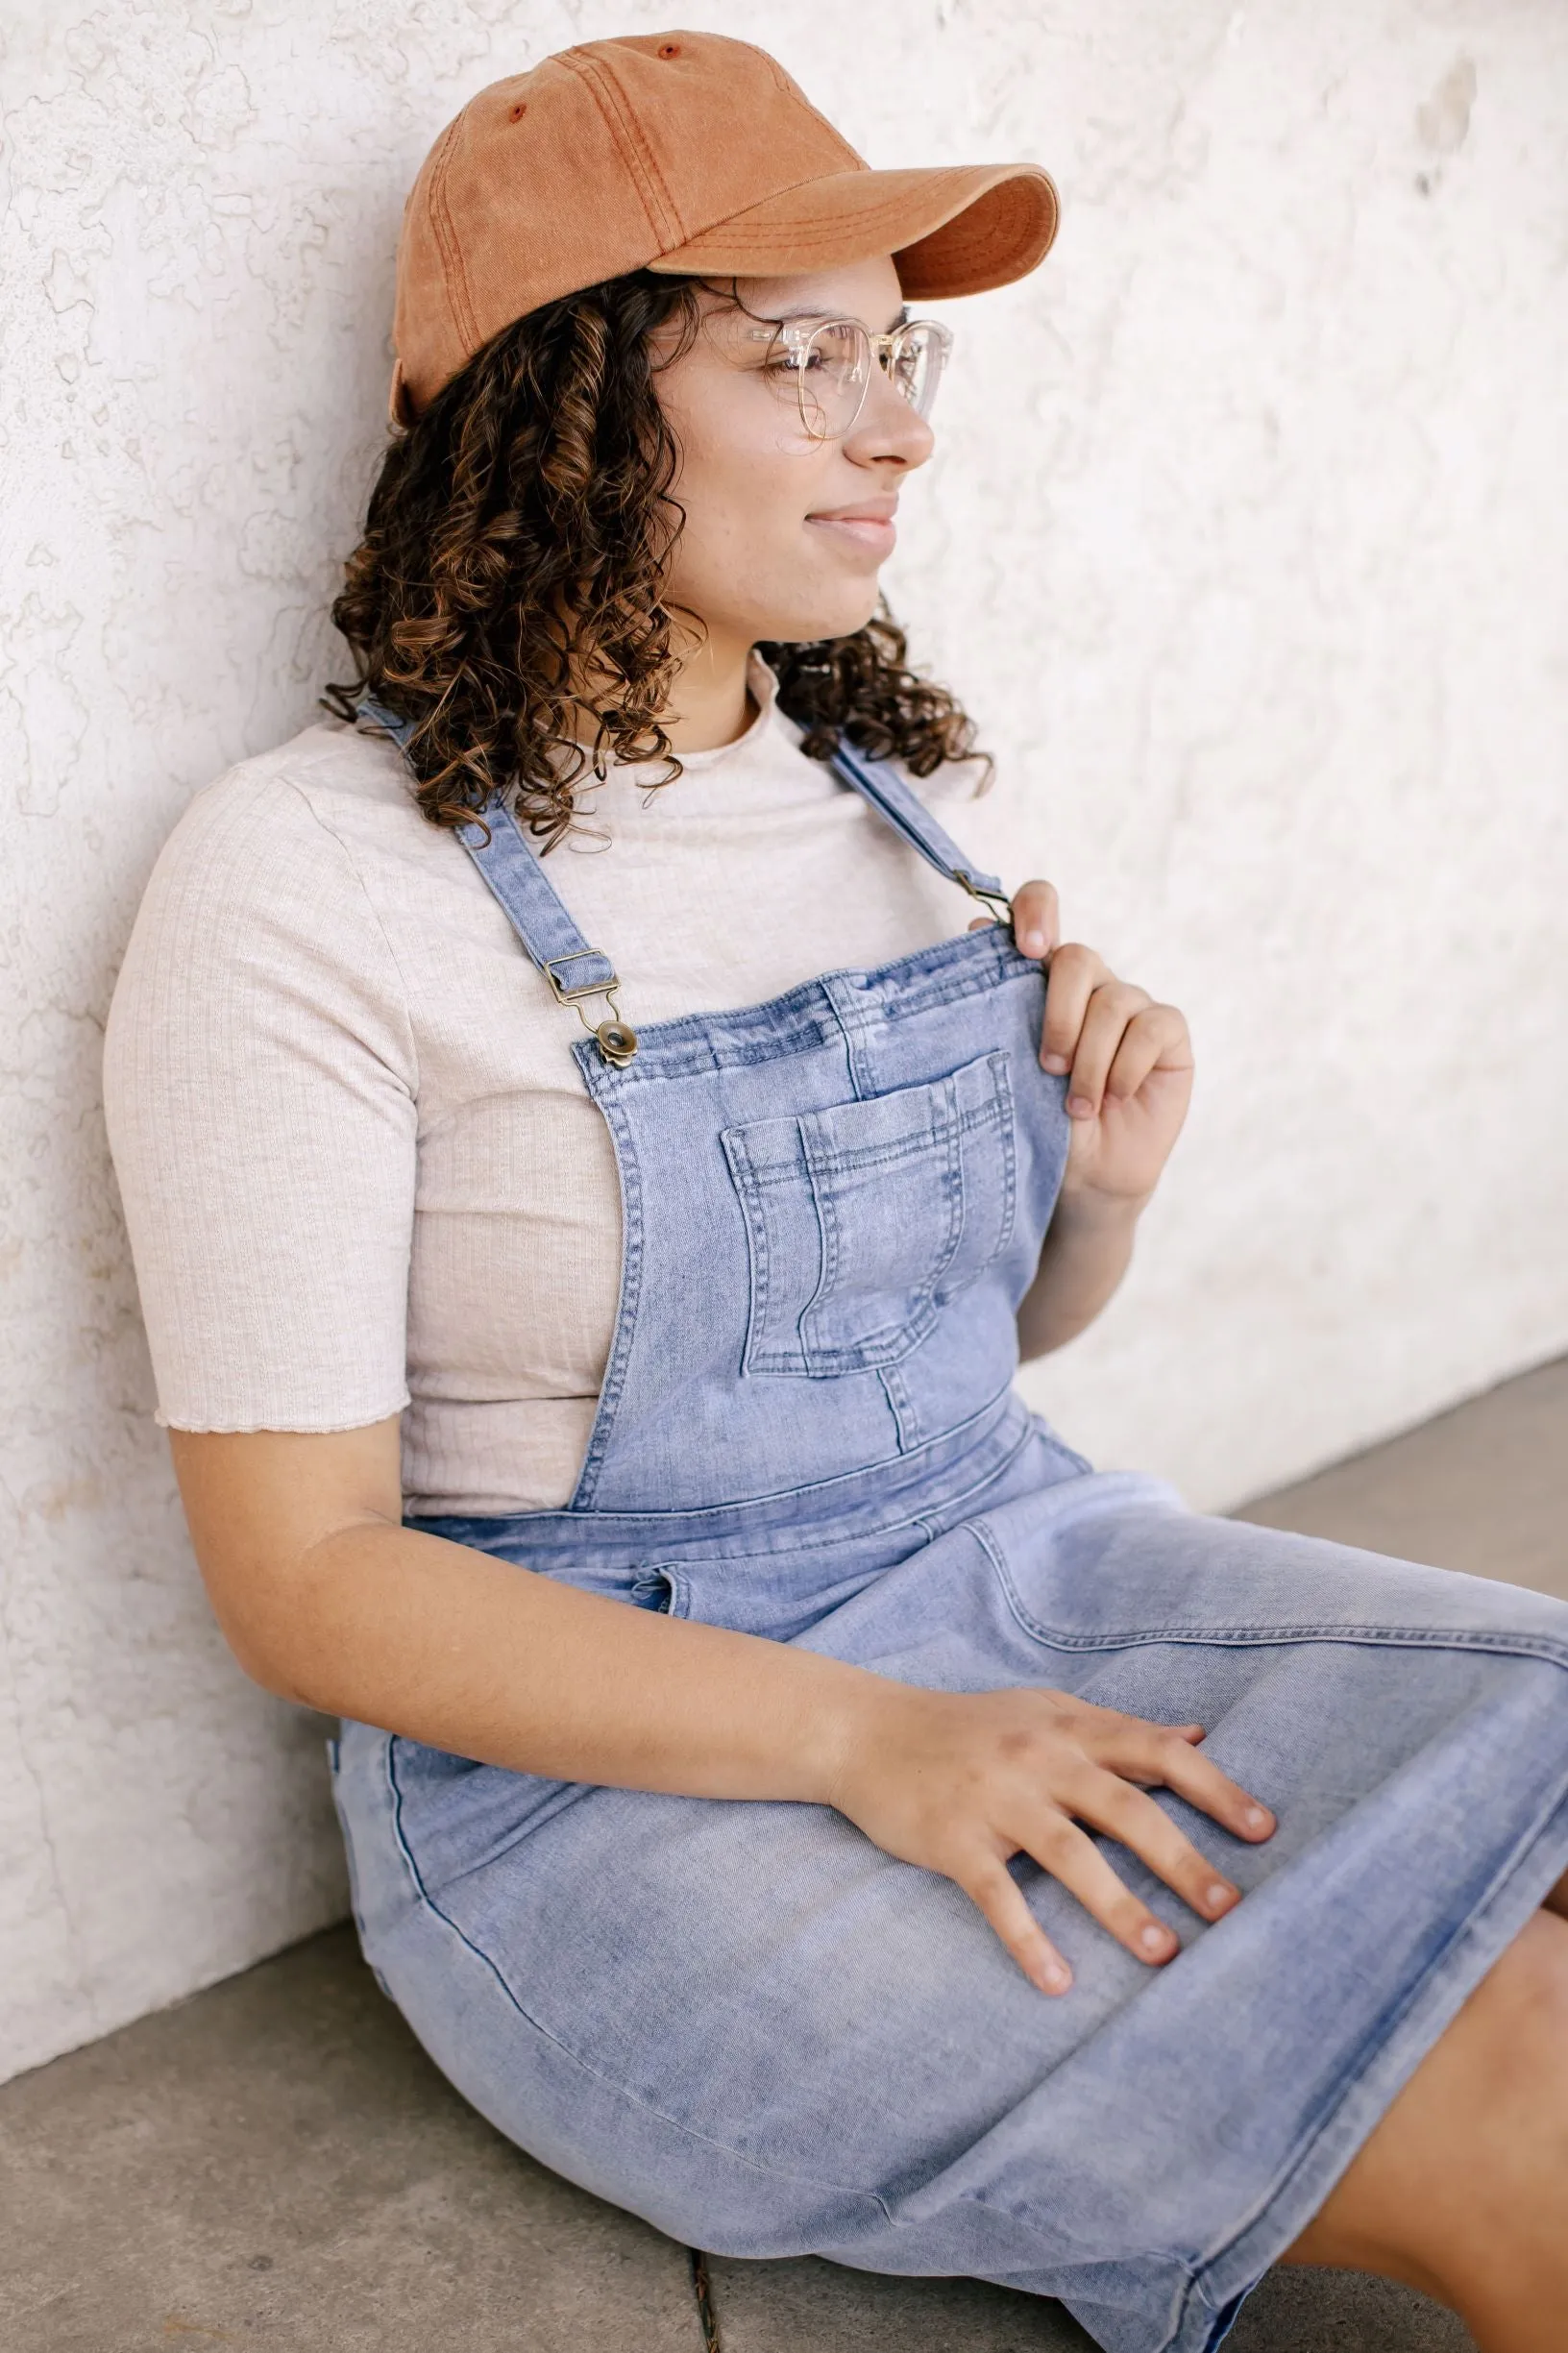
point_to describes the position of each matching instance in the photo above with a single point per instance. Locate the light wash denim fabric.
(744, 2020)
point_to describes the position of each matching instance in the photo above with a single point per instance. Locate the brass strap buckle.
(567, 995)
(616, 1040)
(1000, 905)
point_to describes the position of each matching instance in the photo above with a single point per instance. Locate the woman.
(786, 1788)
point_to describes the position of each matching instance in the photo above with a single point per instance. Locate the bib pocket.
(862, 1220)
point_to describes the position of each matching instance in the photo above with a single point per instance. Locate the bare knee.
(1460, 2190)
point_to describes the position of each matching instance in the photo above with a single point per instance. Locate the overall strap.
(533, 906)
(510, 866)
(879, 783)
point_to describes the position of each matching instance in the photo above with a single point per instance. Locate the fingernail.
(1079, 1107)
(1218, 1896)
(1055, 1977)
(1155, 1939)
(1255, 1818)
(1056, 1063)
(1033, 943)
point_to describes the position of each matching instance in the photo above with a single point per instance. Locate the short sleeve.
(261, 1094)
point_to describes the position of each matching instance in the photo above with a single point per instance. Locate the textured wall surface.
(1247, 544)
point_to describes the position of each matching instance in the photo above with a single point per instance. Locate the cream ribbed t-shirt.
(359, 1168)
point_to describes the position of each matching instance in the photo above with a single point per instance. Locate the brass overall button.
(617, 1043)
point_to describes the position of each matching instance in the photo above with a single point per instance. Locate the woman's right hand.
(959, 1783)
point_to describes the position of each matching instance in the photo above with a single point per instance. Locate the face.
(784, 535)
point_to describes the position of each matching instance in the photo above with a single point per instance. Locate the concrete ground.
(276, 2162)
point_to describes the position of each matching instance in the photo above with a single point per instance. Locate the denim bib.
(833, 1202)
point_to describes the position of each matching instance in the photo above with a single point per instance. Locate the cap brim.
(952, 229)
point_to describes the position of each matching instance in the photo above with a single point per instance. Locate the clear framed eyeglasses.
(824, 365)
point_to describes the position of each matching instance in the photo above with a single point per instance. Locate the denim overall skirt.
(742, 2021)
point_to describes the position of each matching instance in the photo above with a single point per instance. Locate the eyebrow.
(790, 318)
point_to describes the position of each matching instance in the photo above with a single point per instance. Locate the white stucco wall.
(1248, 546)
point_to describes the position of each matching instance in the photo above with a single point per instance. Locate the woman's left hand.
(1128, 1061)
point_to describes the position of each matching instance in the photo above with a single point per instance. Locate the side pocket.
(662, 1588)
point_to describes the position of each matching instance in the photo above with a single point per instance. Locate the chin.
(825, 617)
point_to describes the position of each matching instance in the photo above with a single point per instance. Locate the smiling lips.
(869, 524)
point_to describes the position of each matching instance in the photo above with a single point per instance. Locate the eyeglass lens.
(834, 367)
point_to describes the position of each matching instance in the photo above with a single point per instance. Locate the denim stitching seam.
(798, 1022)
(756, 1355)
(1512, 1644)
(625, 1315)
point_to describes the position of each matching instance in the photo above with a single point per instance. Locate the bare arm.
(1088, 1250)
(327, 1600)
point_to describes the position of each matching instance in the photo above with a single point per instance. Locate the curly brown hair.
(512, 564)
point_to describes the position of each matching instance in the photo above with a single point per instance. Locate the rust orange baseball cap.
(682, 152)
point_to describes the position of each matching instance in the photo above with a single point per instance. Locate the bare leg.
(1463, 2190)
(1558, 1900)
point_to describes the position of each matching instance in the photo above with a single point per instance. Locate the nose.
(888, 432)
